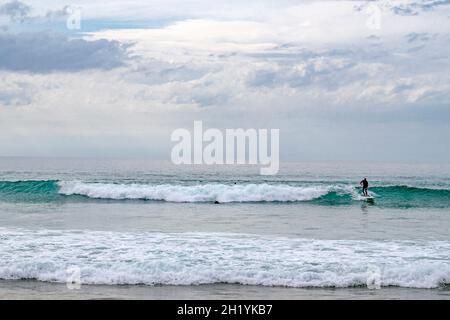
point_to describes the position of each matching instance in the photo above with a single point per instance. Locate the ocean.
(146, 229)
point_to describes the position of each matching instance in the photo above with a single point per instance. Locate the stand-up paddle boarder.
(365, 185)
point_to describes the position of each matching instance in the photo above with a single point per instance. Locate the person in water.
(365, 185)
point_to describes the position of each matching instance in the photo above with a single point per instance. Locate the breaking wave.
(324, 194)
(207, 258)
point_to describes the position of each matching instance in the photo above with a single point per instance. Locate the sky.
(342, 80)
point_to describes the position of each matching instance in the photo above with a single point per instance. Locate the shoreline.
(33, 289)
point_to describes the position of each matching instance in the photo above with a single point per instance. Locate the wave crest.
(197, 193)
(322, 193)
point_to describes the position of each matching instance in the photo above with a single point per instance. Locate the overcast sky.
(342, 80)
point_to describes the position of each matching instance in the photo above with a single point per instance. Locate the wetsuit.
(365, 185)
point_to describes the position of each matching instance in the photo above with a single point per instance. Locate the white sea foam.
(359, 197)
(206, 258)
(197, 193)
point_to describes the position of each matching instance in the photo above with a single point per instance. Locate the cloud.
(320, 69)
(312, 68)
(209, 63)
(58, 13)
(404, 7)
(413, 6)
(15, 10)
(16, 93)
(46, 52)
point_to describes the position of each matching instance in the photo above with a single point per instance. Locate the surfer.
(365, 185)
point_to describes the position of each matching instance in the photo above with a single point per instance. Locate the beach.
(230, 150)
(56, 291)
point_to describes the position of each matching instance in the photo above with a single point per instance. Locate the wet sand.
(28, 289)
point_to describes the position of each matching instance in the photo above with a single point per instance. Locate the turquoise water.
(334, 193)
(141, 222)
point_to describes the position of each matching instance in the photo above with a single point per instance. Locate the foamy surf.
(195, 193)
(207, 258)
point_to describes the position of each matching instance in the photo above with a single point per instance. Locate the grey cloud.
(207, 99)
(153, 72)
(297, 67)
(402, 10)
(263, 78)
(18, 11)
(55, 14)
(324, 71)
(412, 8)
(434, 3)
(16, 94)
(202, 81)
(414, 37)
(15, 10)
(47, 52)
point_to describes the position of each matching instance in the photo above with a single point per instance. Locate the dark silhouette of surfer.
(365, 185)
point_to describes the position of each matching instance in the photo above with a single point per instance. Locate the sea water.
(154, 223)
